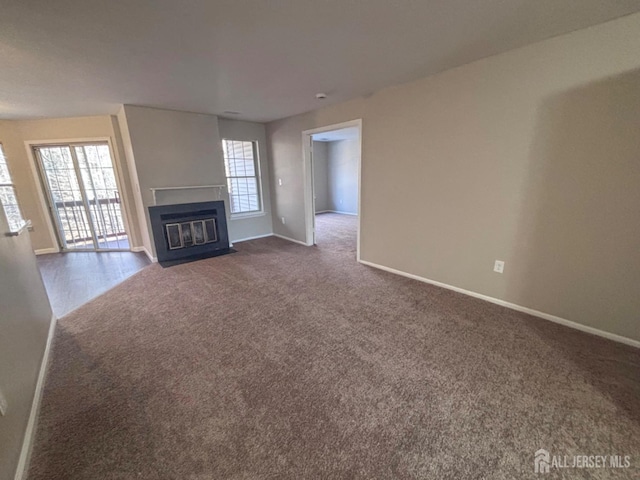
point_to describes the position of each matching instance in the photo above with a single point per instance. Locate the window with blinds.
(8, 197)
(243, 176)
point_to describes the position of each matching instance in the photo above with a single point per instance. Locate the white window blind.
(243, 176)
(8, 197)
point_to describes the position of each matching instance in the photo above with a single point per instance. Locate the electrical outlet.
(498, 267)
(3, 405)
(280, 184)
(282, 219)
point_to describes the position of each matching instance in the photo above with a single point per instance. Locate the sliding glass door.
(83, 196)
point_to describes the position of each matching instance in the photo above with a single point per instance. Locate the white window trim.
(240, 216)
(26, 224)
(254, 213)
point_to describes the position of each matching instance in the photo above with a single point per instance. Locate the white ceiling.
(349, 133)
(264, 58)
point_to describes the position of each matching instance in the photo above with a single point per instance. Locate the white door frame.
(307, 167)
(30, 144)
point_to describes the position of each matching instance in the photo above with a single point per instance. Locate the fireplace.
(189, 231)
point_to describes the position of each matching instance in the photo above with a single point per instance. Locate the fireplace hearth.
(189, 231)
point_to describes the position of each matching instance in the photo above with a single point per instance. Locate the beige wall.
(25, 317)
(255, 226)
(138, 203)
(321, 177)
(14, 134)
(342, 174)
(335, 176)
(528, 157)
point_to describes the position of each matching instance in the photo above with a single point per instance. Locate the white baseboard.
(513, 306)
(290, 239)
(45, 251)
(252, 238)
(29, 436)
(146, 252)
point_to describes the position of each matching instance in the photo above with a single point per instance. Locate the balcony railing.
(106, 215)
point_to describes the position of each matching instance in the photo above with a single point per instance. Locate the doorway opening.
(332, 186)
(83, 196)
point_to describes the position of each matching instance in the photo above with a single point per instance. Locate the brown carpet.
(288, 362)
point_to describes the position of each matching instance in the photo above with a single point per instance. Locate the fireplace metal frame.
(163, 216)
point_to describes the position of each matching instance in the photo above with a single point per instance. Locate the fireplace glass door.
(83, 196)
(188, 234)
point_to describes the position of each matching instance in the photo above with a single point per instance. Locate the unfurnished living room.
(338, 239)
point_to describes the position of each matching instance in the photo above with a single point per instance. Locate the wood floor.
(74, 278)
